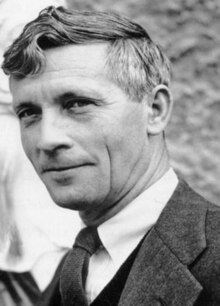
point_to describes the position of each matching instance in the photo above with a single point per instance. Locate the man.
(91, 91)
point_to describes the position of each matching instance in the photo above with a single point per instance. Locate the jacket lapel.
(160, 275)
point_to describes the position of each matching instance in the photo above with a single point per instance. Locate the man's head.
(91, 92)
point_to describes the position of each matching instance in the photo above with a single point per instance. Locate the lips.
(57, 168)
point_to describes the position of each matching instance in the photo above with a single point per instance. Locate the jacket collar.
(159, 275)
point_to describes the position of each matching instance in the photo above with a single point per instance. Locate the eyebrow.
(24, 104)
(66, 95)
(73, 95)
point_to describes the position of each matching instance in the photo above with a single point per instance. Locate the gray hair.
(133, 60)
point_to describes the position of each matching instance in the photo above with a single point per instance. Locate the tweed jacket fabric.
(178, 263)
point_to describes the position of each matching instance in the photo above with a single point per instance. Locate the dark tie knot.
(88, 239)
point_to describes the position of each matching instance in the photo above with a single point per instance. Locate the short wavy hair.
(133, 60)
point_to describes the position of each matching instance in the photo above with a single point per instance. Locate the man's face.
(85, 138)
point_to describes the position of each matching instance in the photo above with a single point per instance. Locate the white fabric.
(121, 234)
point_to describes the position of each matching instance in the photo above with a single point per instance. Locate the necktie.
(75, 269)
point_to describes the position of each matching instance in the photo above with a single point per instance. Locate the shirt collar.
(121, 234)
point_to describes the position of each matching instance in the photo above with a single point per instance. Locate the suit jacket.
(178, 263)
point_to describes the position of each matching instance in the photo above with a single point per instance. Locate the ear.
(160, 109)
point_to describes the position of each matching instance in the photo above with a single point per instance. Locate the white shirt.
(121, 234)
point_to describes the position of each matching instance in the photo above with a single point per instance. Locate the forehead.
(76, 58)
(83, 63)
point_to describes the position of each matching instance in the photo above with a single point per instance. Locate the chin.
(80, 197)
(71, 201)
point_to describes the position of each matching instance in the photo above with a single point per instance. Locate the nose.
(53, 133)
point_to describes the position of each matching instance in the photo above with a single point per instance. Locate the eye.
(78, 103)
(27, 113)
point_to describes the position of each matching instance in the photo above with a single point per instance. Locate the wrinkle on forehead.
(91, 58)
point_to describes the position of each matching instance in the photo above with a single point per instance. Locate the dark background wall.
(189, 32)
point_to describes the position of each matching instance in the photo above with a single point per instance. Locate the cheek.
(126, 137)
(126, 141)
(28, 143)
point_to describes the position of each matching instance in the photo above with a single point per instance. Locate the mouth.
(60, 169)
(63, 176)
